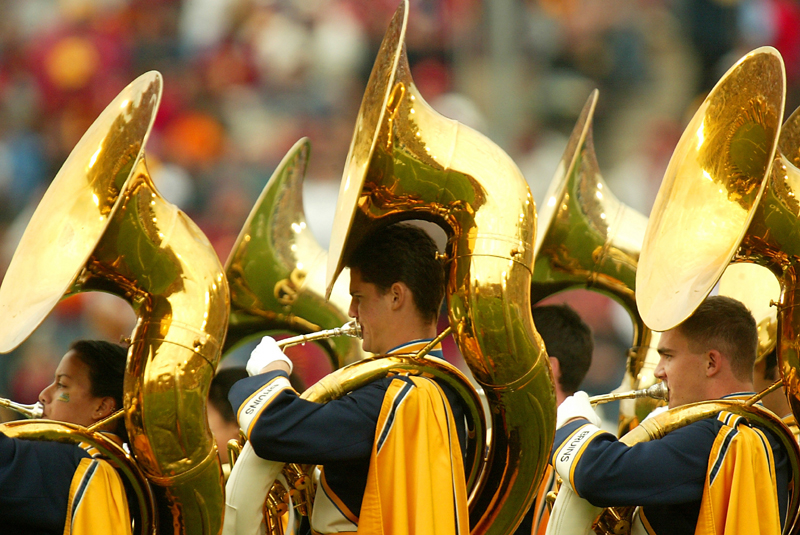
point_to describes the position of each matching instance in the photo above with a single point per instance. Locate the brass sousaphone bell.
(276, 269)
(742, 219)
(589, 239)
(102, 226)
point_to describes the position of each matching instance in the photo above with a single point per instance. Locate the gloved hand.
(576, 406)
(266, 352)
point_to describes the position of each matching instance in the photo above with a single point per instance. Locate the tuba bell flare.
(276, 269)
(727, 197)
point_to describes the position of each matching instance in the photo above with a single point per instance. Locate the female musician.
(49, 487)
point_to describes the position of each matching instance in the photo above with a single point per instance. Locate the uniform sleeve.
(607, 472)
(35, 478)
(283, 427)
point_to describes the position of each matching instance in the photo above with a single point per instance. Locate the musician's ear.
(105, 407)
(713, 362)
(399, 294)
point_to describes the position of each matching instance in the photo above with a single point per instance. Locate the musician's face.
(373, 310)
(69, 398)
(683, 370)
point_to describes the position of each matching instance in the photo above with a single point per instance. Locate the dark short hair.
(724, 324)
(568, 339)
(220, 386)
(402, 253)
(106, 362)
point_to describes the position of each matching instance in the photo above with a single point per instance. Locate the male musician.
(390, 452)
(569, 345)
(718, 475)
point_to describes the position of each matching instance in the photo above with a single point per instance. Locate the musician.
(569, 345)
(718, 475)
(53, 488)
(390, 452)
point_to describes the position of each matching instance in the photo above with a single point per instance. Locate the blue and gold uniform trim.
(337, 502)
(645, 523)
(416, 474)
(97, 501)
(566, 458)
(740, 493)
(399, 397)
(412, 348)
(253, 406)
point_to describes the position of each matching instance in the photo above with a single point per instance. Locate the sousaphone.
(276, 269)
(276, 275)
(589, 239)
(103, 226)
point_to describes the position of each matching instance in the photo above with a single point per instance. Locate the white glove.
(576, 406)
(266, 352)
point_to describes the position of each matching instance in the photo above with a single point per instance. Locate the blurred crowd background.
(245, 79)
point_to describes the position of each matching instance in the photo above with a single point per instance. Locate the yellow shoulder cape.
(97, 502)
(740, 494)
(416, 478)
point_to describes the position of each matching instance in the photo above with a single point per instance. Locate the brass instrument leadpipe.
(656, 391)
(351, 328)
(29, 411)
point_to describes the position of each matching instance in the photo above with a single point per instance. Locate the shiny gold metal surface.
(589, 239)
(771, 241)
(614, 520)
(29, 411)
(727, 197)
(276, 269)
(408, 162)
(711, 189)
(351, 329)
(767, 232)
(145, 523)
(102, 226)
(759, 290)
(74, 211)
(177, 287)
(657, 391)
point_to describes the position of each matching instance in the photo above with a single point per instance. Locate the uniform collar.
(415, 346)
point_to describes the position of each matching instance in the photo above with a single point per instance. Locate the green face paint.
(64, 397)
